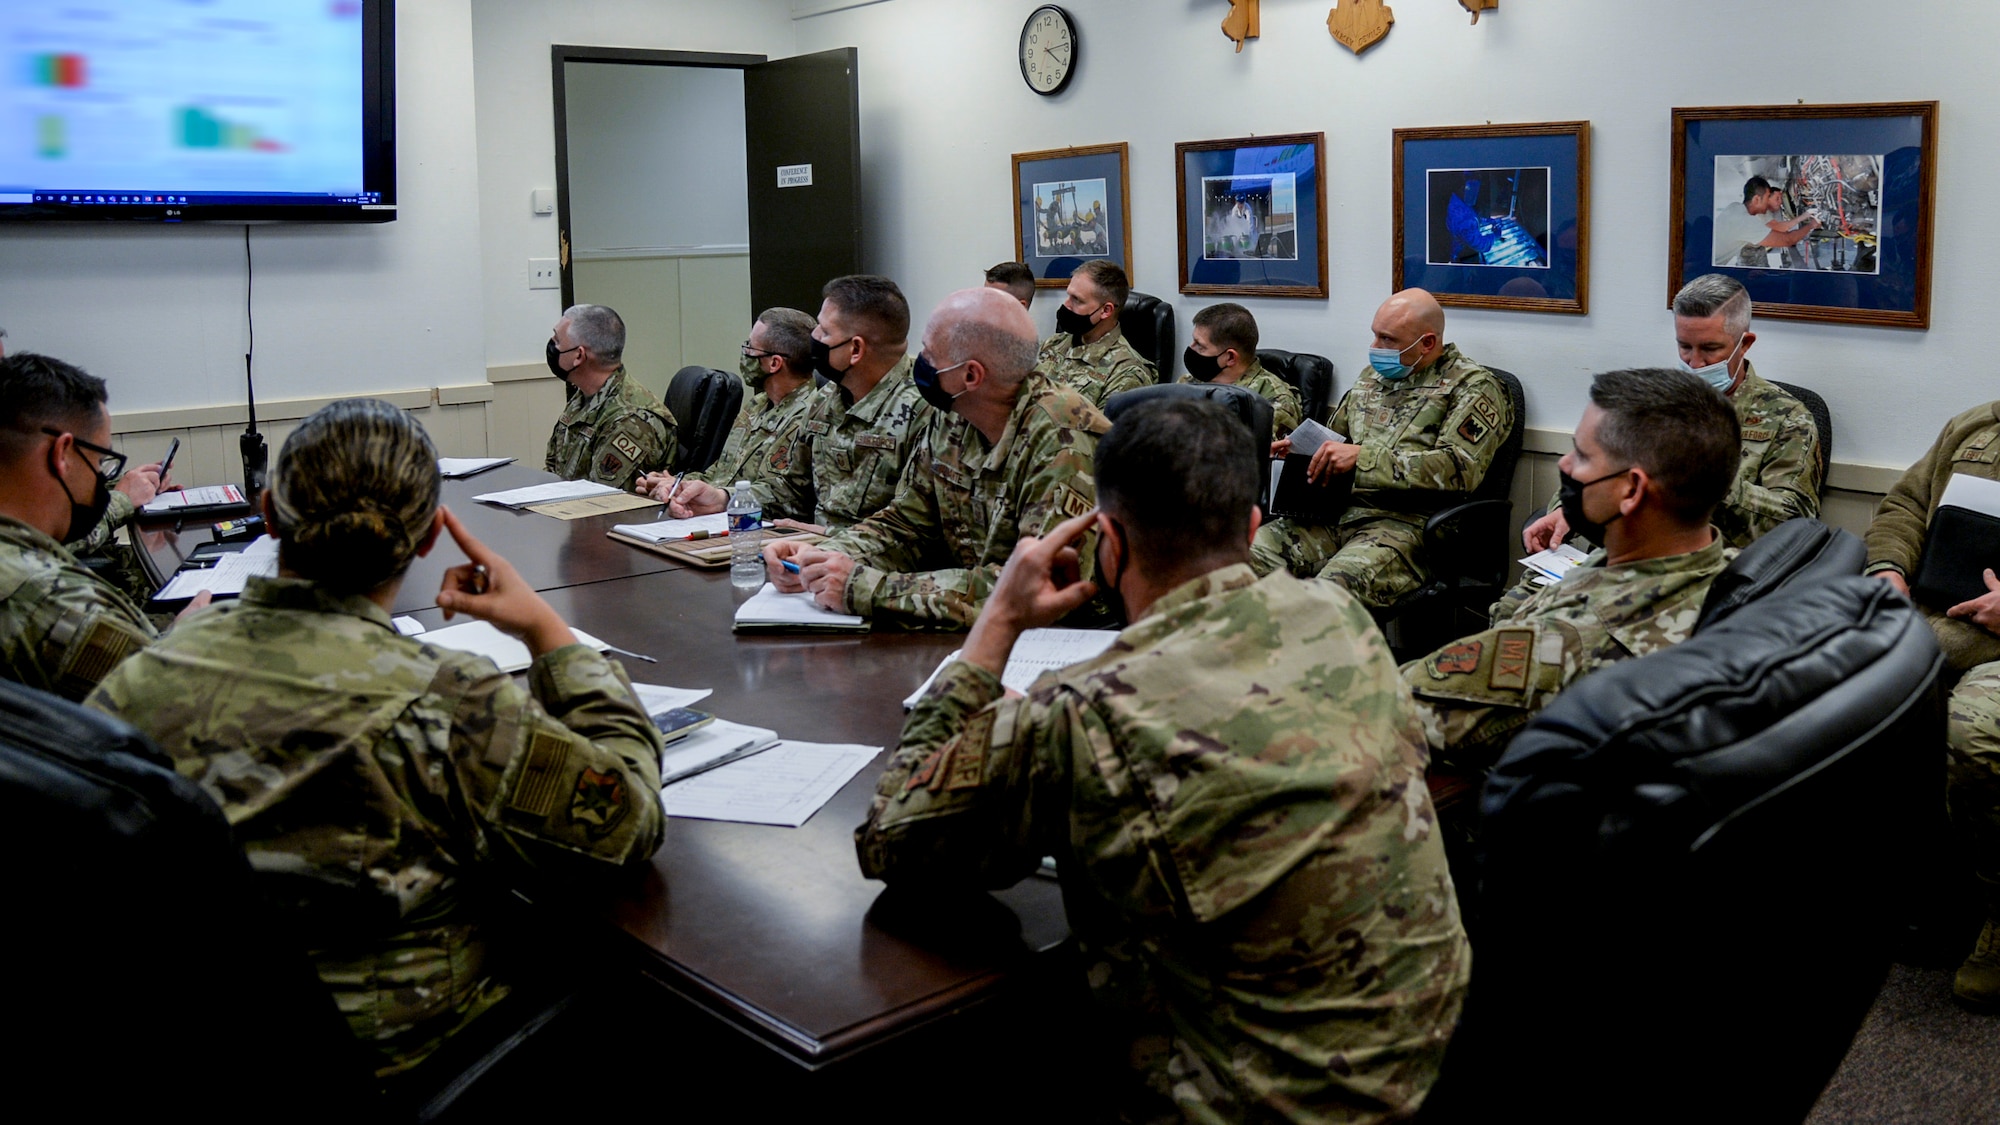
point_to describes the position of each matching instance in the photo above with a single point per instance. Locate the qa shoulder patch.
(627, 446)
(1512, 651)
(1487, 412)
(1455, 660)
(598, 802)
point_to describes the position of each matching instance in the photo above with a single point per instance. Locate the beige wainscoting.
(459, 419)
(681, 306)
(1850, 501)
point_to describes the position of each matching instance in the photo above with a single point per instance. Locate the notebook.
(1962, 541)
(770, 611)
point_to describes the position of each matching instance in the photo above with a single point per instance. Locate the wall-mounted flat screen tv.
(198, 110)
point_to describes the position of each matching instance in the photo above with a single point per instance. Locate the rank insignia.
(598, 802)
(1456, 660)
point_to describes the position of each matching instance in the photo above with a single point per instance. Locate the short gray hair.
(789, 332)
(599, 329)
(1008, 357)
(1713, 293)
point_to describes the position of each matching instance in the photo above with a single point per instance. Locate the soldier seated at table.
(1654, 455)
(765, 440)
(1233, 794)
(861, 425)
(1422, 426)
(1779, 469)
(378, 782)
(612, 430)
(62, 626)
(1969, 634)
(1006, 453)
(1225, 351)
(1089, 353)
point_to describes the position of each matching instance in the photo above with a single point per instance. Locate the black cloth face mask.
(925, 377)
(1203, 368)
(1073, 322)
(555, 355)
(83, 518)
(822, 359)
(1572, 507)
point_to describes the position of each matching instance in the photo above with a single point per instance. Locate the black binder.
(1959, 546)
(1298, 498)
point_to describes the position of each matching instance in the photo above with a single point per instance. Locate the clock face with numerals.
(1048, 50)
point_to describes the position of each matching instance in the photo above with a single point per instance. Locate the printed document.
(1038, 651)
(215, 495)
(482, 638)
(784, 785)
(659, 531)
(543, 493)
(717, 744)
(228, 576)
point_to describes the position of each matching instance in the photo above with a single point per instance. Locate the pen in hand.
(478, 581)
(666, 507)
(789, 565)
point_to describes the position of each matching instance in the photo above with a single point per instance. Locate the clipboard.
(1299, 499)
(1959, 546)
(706, 554)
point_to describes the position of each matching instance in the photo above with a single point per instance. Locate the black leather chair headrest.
(1311, 375)
(1148, 323)
(704, 403)
(1796, 554)
(1249, 406)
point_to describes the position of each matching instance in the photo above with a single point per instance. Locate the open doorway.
(695, 189)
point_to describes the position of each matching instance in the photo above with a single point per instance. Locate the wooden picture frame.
(1064, 175)
(1869, 169)
(1245, 246)
(1494, 216)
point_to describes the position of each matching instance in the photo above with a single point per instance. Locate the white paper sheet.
(452, 468)
(229, 574)
(408, 626)
(1310, 435)
(659, 700)
(482, 638)
(769, 607)
(1974, 493)
(543, 493)
(1037, 651)
(1556, 562)
(711, 747)
(661, 530)
(205, 497)
(784, 785)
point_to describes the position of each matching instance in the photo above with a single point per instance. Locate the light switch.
(542, 274)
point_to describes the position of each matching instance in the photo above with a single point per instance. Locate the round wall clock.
(1048, 50)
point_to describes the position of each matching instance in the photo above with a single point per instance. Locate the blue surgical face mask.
(1715, 374)
(1388, 362)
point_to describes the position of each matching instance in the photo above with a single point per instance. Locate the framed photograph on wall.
(1071, 206)
(1253, 215)
(1823, 212)
(1495, 216)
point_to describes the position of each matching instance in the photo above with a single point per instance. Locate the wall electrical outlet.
(542, 274)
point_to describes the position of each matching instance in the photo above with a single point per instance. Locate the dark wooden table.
(772, 930)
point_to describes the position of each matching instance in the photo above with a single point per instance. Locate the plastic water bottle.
(746, 540)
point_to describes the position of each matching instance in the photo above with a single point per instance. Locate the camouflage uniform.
(1286, 409)
(370, 777)
(1475, 693)
(853, 453)
(763, 443)
(61, 626)
(1779, 473)
(1426, 442)
(117, 563)
(931, 556)
(1969, 444)
(613, 437)
(1234, 795)
(1097, 370)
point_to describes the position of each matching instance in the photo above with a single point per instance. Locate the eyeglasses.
(110, 462)
(752, 353)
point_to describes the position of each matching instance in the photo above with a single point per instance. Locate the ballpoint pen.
(667, 507)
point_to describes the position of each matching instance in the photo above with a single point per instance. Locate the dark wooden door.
(803, 118)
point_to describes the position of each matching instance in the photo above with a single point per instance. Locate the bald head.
(986, 325)
(1410, 323)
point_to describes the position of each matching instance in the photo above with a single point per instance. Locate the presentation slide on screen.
(249, 96)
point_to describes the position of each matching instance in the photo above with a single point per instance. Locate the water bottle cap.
(743, 484)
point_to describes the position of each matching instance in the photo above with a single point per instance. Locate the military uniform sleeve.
(1287, 411)
(64, 633)
(1474, 694)
(893, 541)
(1783, 485)
(1895, 538)
(956, 805)
(1341, 422)
(638, 443)
(571, 771)
(116, 516)
(1470, 436)
(1129, 375)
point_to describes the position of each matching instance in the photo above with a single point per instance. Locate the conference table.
(771, 931)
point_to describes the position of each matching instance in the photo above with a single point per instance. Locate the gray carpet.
(1919, 1058)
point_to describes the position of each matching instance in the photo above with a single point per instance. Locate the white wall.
(516, 124)
(158, 311)
(943, 106)
(656, 157)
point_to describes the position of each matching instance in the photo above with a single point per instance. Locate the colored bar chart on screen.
(51, 137)
(202, 129)
(64, 71)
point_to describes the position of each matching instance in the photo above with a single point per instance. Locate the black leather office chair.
(704, 403)
(1310, 375)
(145, 973)
(1468, 548)
(1695, 865)
(1249, 406)
(1795, 555)
(1148, 323)
(1822, 421)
